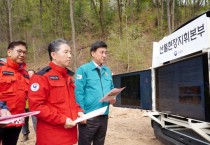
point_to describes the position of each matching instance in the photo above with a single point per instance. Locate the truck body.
(175, 90)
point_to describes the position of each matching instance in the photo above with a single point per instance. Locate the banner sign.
(191, 38)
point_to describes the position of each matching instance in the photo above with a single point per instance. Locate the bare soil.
(126, 127)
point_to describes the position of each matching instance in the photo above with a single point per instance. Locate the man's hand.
(5, 112)
(69, 123)
(80, 114)
(112, 101)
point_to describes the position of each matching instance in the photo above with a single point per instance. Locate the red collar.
(15, 65)
(61, 70)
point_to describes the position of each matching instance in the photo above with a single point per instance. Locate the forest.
(128, 27)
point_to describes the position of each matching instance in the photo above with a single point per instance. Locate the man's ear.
(9, 52)
(92, 53)
(53, 55)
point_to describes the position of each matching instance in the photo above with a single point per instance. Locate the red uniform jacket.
(14, 81)
(52, 92)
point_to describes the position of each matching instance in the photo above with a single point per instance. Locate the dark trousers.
(25, 127)
(9, 135)
(34, 121)
(94, 131)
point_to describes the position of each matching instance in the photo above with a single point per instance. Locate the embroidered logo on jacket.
(54, 77)
(8, 73)
(106, 74)
(79, 77)
(35, 87)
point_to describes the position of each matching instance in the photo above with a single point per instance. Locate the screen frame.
(206, 95)
(145, 104)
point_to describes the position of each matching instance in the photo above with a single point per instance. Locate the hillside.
(128, 27)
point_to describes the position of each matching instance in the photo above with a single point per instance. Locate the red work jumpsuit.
(52, 92)
(14, 81)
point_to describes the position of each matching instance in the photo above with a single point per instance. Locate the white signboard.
(190, 38)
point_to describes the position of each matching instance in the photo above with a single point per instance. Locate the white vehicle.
(176, 89)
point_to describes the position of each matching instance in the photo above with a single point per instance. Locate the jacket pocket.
(108, 80)
(57, 92)
(7, 85)
(107, 83)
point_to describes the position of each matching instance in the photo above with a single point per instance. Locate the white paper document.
(92, 114)
(111, 95)
(13, 118)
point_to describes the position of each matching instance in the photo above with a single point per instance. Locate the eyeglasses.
(21, 52)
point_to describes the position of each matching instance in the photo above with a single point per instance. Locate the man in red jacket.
(14, 81)
(52, 93)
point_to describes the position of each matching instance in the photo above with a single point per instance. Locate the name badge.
(54, 77)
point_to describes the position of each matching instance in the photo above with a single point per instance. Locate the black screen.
(137, 93)
(131, 95)
(182, 88)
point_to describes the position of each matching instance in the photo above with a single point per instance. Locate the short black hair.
(16, 43)
(54, 46)
(98, 44)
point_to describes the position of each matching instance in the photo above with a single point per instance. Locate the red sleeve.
(38, 94)
(79, 109)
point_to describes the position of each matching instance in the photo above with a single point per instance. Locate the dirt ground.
(126, 127)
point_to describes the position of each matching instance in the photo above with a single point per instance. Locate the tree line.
(128, 26)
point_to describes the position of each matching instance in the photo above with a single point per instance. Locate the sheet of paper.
(92, 114)
(13, 118)
(111, 95)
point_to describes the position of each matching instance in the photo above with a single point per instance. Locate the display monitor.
(137, 93)
(131, 95)
(182, 88)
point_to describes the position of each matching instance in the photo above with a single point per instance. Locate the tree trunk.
(138, 6)
(161, 17)
(9, 20)
(172, 14)
(128, 51)
(99, 14)
(73, 33)
(119, 3)
(34, 50)
(158, 12)
(130, 7)
(169, 16)
(41, 11)
(198, 5)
